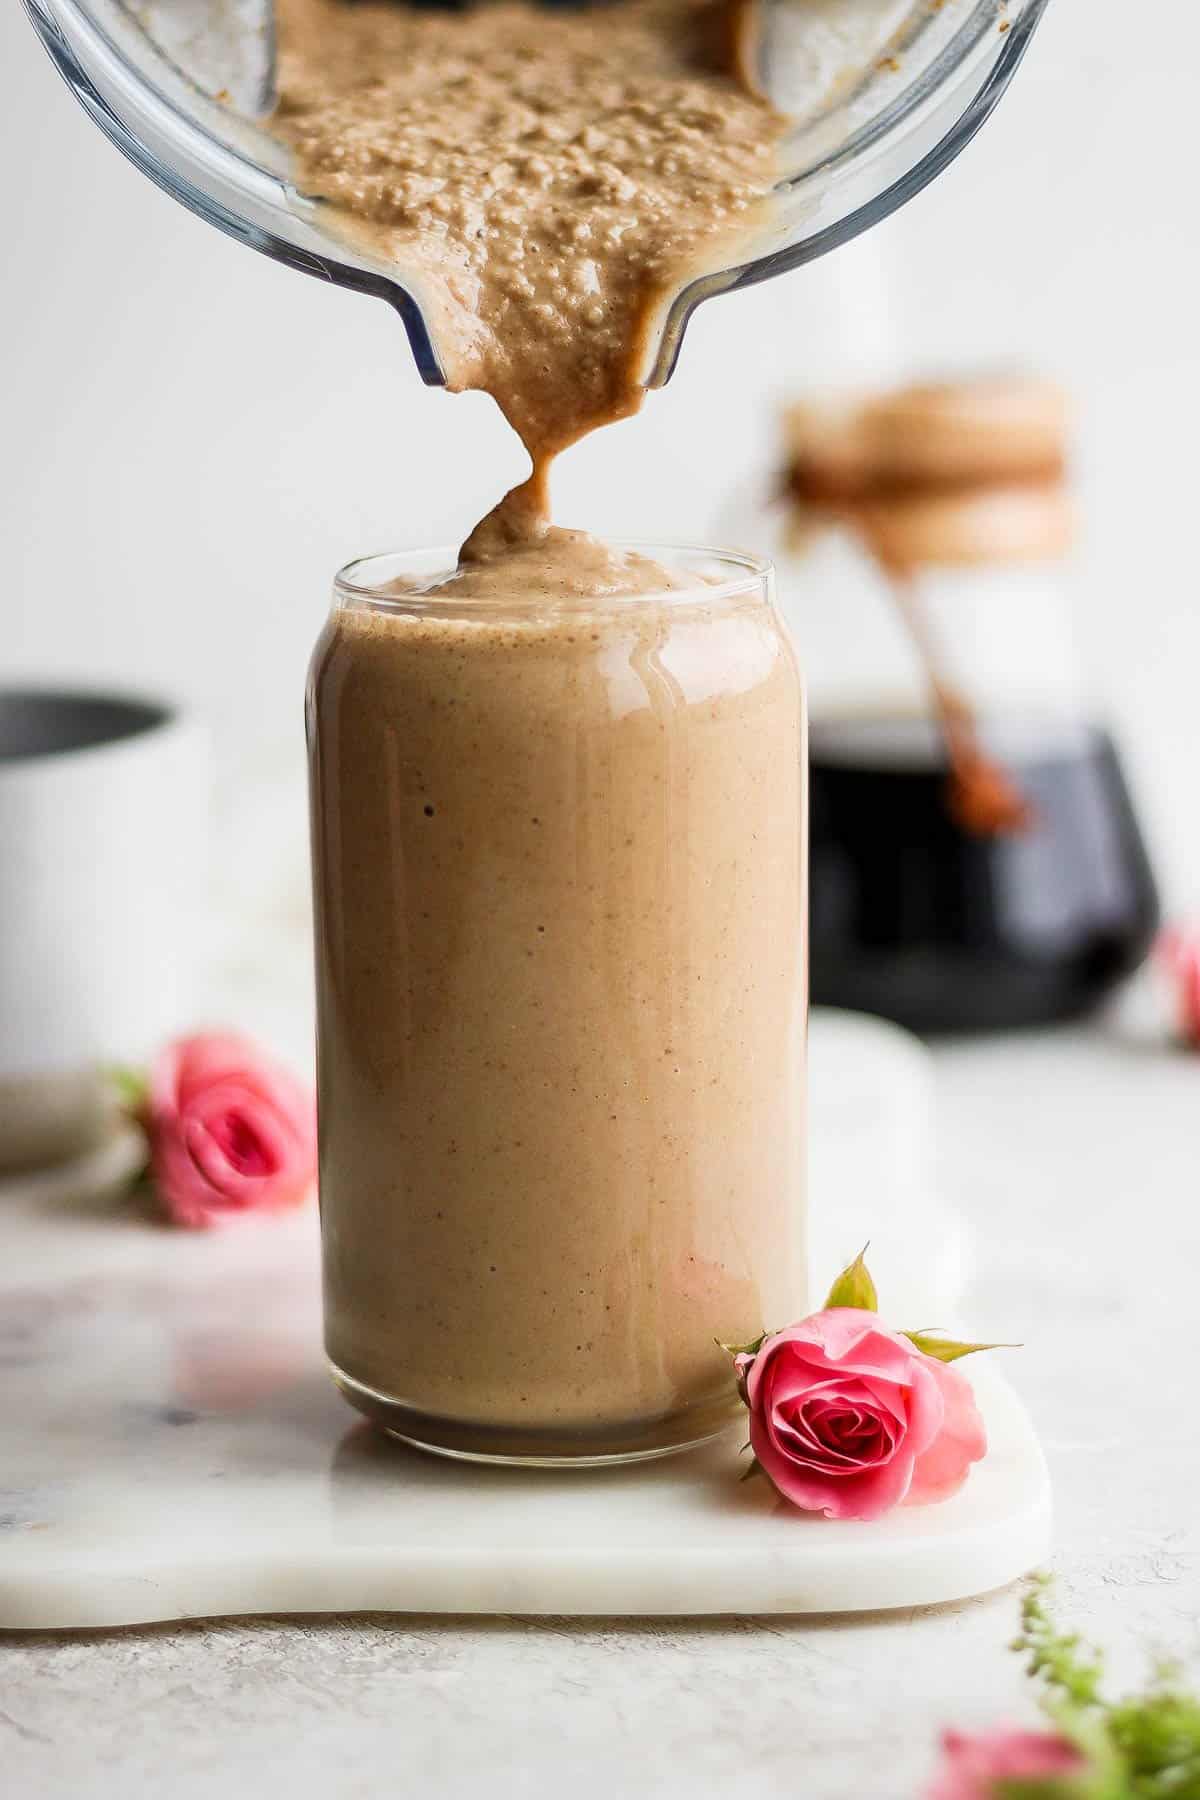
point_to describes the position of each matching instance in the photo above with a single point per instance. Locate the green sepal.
(755, 1468)
(854, 1287)
(132, 1088)
(949, 1350)
(750, 1349)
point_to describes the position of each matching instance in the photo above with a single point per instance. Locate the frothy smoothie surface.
(554, 565)
(547, 179)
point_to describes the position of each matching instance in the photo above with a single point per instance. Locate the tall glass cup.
(559, 874)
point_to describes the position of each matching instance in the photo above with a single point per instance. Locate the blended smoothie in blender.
(547, 178)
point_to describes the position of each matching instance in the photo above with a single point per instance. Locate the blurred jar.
(976, 860)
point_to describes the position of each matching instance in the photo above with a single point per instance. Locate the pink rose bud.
(230, 1131)
(1179, 956)
(980, 1766)
(850, 1419)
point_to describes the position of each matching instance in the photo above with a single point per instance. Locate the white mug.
(103, 829)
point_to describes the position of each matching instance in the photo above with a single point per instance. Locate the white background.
(192, 439)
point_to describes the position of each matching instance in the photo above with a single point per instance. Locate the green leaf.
(854, 1287)
(949, 1350)
(755, 1468)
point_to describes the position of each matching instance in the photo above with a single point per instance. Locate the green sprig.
(1069, 1673)
(1144, 1746)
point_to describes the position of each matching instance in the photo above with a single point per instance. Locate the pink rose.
(230, 1131)
(974, 1767)
(1179, 955)
(849, 1419)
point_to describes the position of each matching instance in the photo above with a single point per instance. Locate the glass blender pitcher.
(883, 94)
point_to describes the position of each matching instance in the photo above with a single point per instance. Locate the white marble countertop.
(1074, 1156)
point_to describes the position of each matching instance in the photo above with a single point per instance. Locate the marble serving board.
(171, 1447)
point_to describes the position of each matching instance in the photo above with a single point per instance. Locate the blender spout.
(825, 203)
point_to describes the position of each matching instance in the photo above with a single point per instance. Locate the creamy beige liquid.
(547, 177)
(556, 805)
(561, 986)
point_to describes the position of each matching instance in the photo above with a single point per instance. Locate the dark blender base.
(919, 922)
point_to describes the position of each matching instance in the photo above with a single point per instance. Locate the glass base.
(550, 1448)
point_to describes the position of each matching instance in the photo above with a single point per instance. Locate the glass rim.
(755, 574)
